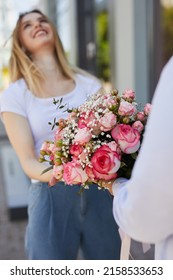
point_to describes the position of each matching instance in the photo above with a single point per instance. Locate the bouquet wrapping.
(99, 141)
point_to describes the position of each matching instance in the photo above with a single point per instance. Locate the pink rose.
(126, 109)
(90, 173)
(147, 109)
(87, 120)
(127, 137)
(140, 116)
(56, 175)
(108, 102)
(57, 171)
(81, 122)
(48, 147)
(129, 94)
(113, 146)
(138, 125)
(76, 150)
(105, 163)
(82, 136)
(44, 146)
(83, 156)
(58, 133)
(108, 121)
(52, 157)
(74, 174)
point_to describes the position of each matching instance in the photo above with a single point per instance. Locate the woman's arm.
(20, 136)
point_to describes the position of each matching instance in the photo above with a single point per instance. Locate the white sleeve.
(12, 100)
(143, 206)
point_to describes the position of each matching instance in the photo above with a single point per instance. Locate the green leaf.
(123, 164)
(46, 170)
(134, 156)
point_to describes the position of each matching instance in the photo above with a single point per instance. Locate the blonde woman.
(59, 220)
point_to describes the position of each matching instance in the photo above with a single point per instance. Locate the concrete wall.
(129, 46)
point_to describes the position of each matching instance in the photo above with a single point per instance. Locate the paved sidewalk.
(11, 233)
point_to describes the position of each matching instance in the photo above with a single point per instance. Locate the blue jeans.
(61, 220)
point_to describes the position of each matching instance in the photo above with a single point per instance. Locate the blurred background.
(125, 43)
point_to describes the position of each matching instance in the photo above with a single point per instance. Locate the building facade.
(119, 41)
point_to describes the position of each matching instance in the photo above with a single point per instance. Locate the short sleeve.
(13, 100)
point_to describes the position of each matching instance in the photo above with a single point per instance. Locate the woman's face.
(35, 32)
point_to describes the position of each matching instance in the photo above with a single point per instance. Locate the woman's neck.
(48, 65)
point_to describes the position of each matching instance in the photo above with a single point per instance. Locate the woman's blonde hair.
(21, 64)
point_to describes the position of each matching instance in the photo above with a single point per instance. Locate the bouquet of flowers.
(99, 141)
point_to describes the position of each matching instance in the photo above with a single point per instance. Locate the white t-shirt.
(143, 206)
(39, 111)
